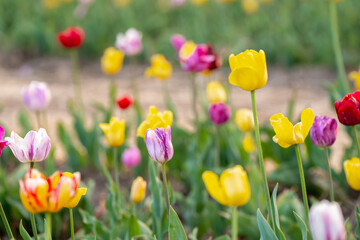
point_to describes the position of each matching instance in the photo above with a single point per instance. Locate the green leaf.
(176, 229)
(155, 191)
(304, 229)
(278, 231)
(224, 237)
(266, 233)
(134, 227)
(357, 220)
(24, 121)
(24, 234)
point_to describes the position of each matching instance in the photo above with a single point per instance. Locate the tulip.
(355, 76)
(112, 60)
(196, 58)
(348, 109)
(159, 145)
(286, 133)
(248, 70)
(323, 131)
(327, 221)
(35, 147)
(138, 189)
(244, 119)
(155, 119)
(124, 102)
(160, 68)
(51, 4)
(250, 6)
(352, 172)
(36, 96)
(3, 143)
(72, 37)
(248, 143)
(232, 189)
(215, 92)
(130, 42)
(219, 113)
(114, 131)
(131, 157)
(177, 3)
(177, 41)
(199, 2)
(122, 3)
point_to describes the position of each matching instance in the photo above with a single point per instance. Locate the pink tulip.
(131, 157)
(130, 42)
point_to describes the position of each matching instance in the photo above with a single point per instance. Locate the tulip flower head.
(286, 134)
(124, 102)
(177, 41)
(112, 60)
(131, 157)
(348, 109)
(3, 143)
(355, 76)
(352, 172)
(323, 131)
(248, 70)
(130, 42)
(159, 145)
(35, 147)
(215, 92)
(248, 143)
(196, 58)
(232, 189)
(155, 119)
(250, 6)
(138, 190)
(244, 119)
(114, 131)
(72, 37)
(219, 113)
(327, 221)
(36, 96)
(122, 3)
(160, 68)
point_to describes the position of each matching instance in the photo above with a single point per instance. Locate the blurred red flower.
(124, 102)
(348, 109)
(72, 37)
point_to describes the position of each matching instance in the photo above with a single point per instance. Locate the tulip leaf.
(304, 229)
(224, 237)
(157, 205)
(176, 229)
(134, 228)
(24, 234)
(357, 220)
(278, 231)
(266, 233)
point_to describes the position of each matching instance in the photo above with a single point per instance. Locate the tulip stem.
(166, 190)
(116, 174)
(6, 223)
(194, 98)
(332, 198)
(356, 139)
(76, 77)
(303, 184)
(48, 226)
(33, 225)
(261, 161)
(72, 224)
(112, 94)
(217, 146)
(38, 119)
(234, 223)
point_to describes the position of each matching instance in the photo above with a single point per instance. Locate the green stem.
(217, 146)
(76, 77)
(48, 226)
(356, 139)
(234, 224)
(303, 184)
(38, 119)
(261, 161)
(166, 190)
(6, 223)
(112, 94)
(33, 225)
(332, 198)
(337, 47)
(194, 99)
(116, 174)
(72, 224)
(32, 164)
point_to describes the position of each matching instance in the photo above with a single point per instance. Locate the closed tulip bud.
(323, 131)
(348, 109)
(114, 131)
(138, 190)
(124, 102)
(3, 143)
(250, 6)
(232, 189)
(215, 92)
(355, 76)
(159, 145)
(160, 68)
(352, 172)
(35, 147)
(36, 96)
(131, 157)
(155, 119)
(72, 37)
(177, 41)
(327, 221)
(112, 60)
(248, 143)
(244, 119)
(130, 42)
(219, 113)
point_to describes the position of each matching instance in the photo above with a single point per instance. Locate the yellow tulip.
(248, 70)
(112, 60)
(232, 189)
(122, 3)
(160, 68)
(155, 119)
(215, 92)
(286, 134)
(51, 4)
(250, 6)
(352, 172)
(355, 76)
(199, 2)
(138, 189)
(248, 143)
(114, 131)
(244, 119)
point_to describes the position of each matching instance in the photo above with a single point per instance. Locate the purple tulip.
(177, 41)
(327, 221)
(36, 96)
(35, 147)
(219, 113)
(3, 143)
(130, 42)
(323, 131)
(131, 157)
(158, 144)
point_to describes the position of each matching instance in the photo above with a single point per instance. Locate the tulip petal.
(76, 199)
(245, 78)
(16, 144)
(214, 188)
(284, 134)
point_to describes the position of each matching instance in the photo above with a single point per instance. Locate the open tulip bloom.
(3, 143)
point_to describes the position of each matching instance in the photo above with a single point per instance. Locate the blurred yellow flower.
(355, 76)
(232, 189)
(160, 68)
(112, 60)
(226, 1)
(248, 70)
(286, 134)
(352, 172)
(155, 119)
(250, 6)
(267, 1)
(51, 4)
(199, 2)
(114, 131)
(244, 119)
(248, 143)
(215, 92)
(122, 3)
(138, 189)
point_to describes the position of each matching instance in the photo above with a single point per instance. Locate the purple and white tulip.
(36, 96)
(131, 157)
(3, 143)
(130, 42)
(323, 131)
(219, 113)
(35, 147)
(159, 145)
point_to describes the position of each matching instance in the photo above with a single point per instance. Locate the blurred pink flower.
(3, 143)
(177, 3)
(219, 113)
(196, 58)
(36, 95)
(177, 41)
(130, 42)
(131, 157)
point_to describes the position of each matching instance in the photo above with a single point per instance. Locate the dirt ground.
(303, 82)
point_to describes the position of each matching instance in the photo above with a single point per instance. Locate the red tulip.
(72, 37)
(348, 109)
(124, 102)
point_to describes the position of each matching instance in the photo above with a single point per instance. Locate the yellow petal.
(214, 188)
(248, 143)
(138, 190)
(352, 172)
(302, 129)
(284, 130)
(76, 199)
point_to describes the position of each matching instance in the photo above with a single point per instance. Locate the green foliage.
(176, 229)
(265, 230)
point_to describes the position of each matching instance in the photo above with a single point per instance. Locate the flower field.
(152, 126)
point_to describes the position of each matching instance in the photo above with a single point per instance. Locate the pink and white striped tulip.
(159, 145)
